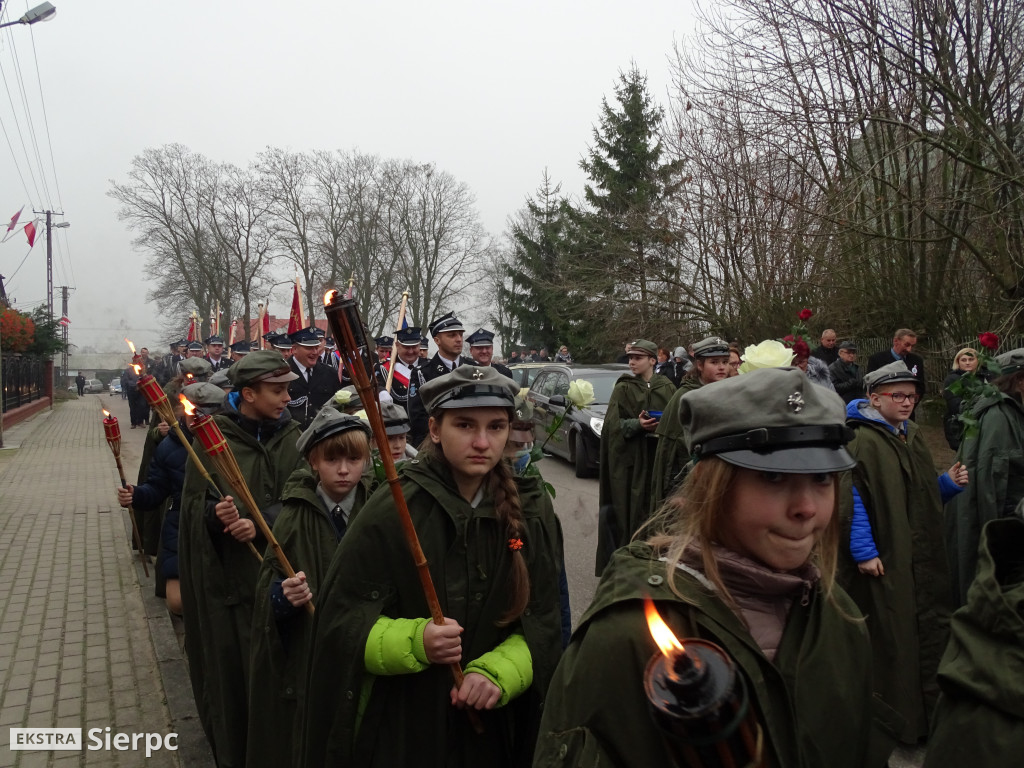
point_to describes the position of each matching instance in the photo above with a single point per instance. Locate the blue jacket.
(862, 542)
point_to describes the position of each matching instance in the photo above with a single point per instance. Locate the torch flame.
(329, 296)
(190, 410)
(662, 635)
(130, 345)
(138, 369)
(106, 413)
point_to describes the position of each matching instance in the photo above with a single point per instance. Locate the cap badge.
(795, 402)
(478, 375)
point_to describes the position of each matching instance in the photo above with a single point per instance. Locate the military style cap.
(320, 332)
(396, 420)
(328, 423)
(642, 347)
(424, 343)
(241, 347)
(281, 341)
(195, 346)
(213, 340)
(206, 396)
(179, 343)
(409, 337)
(264, 365)
(481, 337)
(771, 419)
(220, 379)
(1010, 362)
(446, 323)
(384, 341)
(712, 346)
(197, 367)
(305, 338)
(469, 386)
(269, 337)
(254, 345)
(889, 374)
(848, 345)
(331, 343)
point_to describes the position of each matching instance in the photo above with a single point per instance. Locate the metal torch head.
(347, 328)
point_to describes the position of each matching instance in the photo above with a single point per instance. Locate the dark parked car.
(578, 438)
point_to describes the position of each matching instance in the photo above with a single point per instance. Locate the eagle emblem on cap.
(795, 402)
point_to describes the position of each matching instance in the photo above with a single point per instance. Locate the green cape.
(995, 459)
(980, 717)
(672, 453)
(280, 649)
(218, 581)
(814, 702)
(408, 719)
(907, 609)
(627, 461)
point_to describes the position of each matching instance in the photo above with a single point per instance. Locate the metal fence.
(24, 380)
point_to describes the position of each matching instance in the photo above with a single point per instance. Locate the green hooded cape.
(218, 581)
(814, 702)
(280, 649)
(672, 453)
(907, 609)
(627, 461)
(408, 719)
(995, 459)
(980, 717)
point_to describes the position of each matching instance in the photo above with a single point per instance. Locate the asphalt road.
(576, 506)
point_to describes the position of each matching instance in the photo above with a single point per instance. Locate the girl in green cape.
(380, 690)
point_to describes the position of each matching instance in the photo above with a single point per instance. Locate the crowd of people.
(775, 501)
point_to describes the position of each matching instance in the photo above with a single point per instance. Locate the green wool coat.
(407, 720)
(995, 459)
(627, 461)
(980, 717)
(280, 649)
(672, 454)
(218, 581)
(907, 609)
(814, 701)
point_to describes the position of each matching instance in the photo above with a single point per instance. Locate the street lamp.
(43, 12)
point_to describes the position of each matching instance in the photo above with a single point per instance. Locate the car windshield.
(603, 383)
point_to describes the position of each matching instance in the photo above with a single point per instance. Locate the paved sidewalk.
(82, 642)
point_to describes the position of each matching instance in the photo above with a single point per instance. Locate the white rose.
(768, 354)
(581, 393)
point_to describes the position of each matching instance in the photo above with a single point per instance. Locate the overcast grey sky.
(491, 92)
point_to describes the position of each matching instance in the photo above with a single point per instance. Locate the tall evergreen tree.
(621, 235)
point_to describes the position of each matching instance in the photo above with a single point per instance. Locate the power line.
(17, 124)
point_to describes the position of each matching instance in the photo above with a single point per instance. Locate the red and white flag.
(64, 321)
(14, 219)
(402, 373)
(30, 233)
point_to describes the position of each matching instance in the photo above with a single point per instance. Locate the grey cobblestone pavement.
(83, 642)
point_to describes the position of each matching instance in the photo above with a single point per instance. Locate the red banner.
(295, 319)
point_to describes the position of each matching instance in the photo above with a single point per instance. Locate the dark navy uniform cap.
(446, 323)
(195, 345)
(481, 337)
(254, 345)
(330, 343)
(384, 341)
(280, 341)
(321, 333)
(424, 343)
(213, 340)
(409, 337)
(180, 343)
(241, 347)
(305, 338)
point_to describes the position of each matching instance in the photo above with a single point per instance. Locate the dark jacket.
(408, 719)
(418, 417)
(825, 354)
(814, 701)
(914, 362)
(672, 453)
(218, 575)
(307, 397)
(165, 476)
(281, 646)
(627, 461)
(908, 608)
(995, 459)
(218, 365)
(951, 424)
(980, 717)
(847, 379)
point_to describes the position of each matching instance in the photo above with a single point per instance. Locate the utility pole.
(49, 255)
(64, 337)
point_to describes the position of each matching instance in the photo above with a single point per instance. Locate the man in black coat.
(847, 377)
(215, 353)
(447, 331)
(827, 351)
(407, 360)
(903, 343)
(317, 382)
(481, 349)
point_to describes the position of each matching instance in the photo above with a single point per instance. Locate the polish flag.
(30, 232)
(14, 219)
(402, 373)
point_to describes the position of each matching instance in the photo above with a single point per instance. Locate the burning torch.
(347, 328)
(112, 432)
(157, 399)
(216, 446)
(699, 700)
